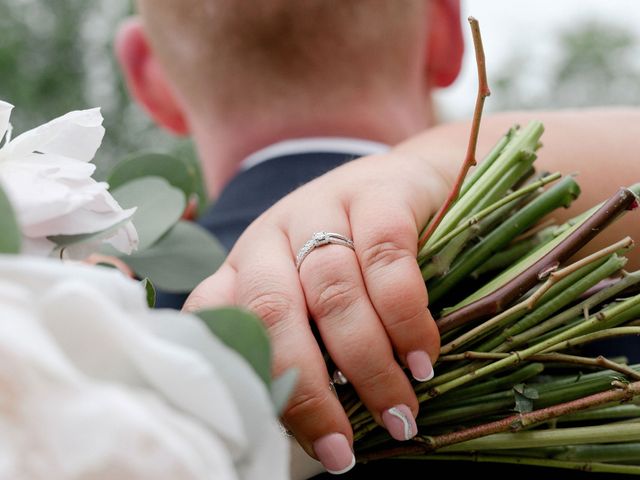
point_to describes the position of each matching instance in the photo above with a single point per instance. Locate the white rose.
(96, 385)
(46, 173)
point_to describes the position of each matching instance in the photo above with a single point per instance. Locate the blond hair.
(257, 51)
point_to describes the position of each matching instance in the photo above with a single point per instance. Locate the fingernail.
(334, 452)
(420, 365)
(399, 422)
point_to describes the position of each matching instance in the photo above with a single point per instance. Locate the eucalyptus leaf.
(243, 332)
(180, 260)
(187, 154)
(159, 207)
(282, 387)
(10, 236)
(182, 171)
(161, 165)
(151, 292)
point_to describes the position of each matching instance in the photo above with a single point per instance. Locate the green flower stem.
(429, 252)
(549, 393)
(592, 337)
(570, 288)
(440, 263)
(626, 316)
(493, 385)
(548, 438)
(489, 437)
(458, 415)
(481, 169)
(554, 294)
(485, 328)
(523, 140)
(617, 412)
(521, 277)
(514, 176)
(586, 466)
(599, 362)
(583, 307)
(517, 250)
(440, 379)
(623, 452)
(561, 194)
(594, 323)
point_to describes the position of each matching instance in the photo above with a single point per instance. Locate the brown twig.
(554, 276)
(470, 157)
(512, 423)
(495, 301)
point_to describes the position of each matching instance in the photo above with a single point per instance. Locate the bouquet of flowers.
(94, 382)
(512, 384)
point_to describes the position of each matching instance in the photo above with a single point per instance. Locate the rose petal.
(5, 114)
(49, 408)
(268, 446)
(99, 320)
(76, 135)
(39, 247)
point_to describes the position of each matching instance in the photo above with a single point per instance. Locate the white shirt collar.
(351, 146)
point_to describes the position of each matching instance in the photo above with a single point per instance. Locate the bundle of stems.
(513, 383)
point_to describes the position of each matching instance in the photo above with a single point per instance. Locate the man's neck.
(224, 145)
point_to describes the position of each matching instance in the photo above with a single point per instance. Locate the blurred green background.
(56, 56)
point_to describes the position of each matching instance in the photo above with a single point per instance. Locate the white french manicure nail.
(420, 365)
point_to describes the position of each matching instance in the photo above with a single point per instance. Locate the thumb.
(215, 291)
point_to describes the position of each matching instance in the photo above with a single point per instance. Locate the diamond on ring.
(322, 238)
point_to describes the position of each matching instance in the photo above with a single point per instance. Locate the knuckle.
(332, 297)
(380, 377)
(305, 403)
(195, 302)
(270, 306)
(414, 321)
(383, 254)
(388, 244)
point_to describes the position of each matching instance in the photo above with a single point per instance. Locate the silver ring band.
(319, 239)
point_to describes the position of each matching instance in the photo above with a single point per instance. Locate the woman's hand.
(369, 304)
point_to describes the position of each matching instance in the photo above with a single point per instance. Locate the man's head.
(219, 62)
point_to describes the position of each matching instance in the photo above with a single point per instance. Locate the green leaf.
(243, 332)
(282, 387)
(159, 207)
(524, 397)
(186, 153)
(10, 236)
(143, 165)
(151, 292)
(180, 260)
(182, 172)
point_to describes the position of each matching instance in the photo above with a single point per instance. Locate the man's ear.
(146, 79)
(446, 44)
